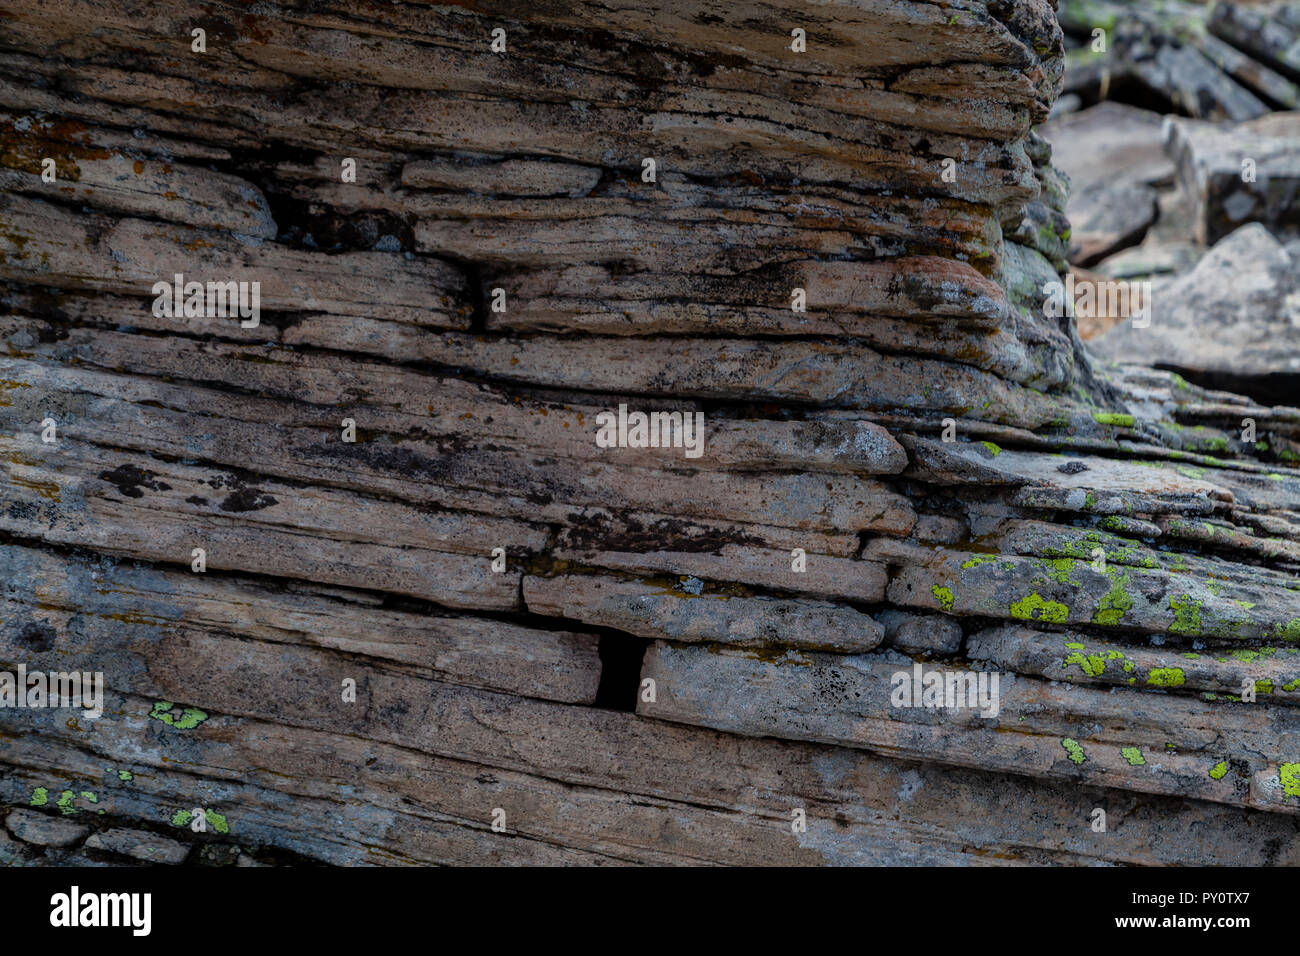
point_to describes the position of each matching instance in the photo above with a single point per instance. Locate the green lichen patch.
(178, 718)
(1219, 770)
(1290, 631)
(1187, 614)
(1166, 677)
(943, 596)
(1094, 665)
(183, 818)
(1059, 570)
(1116, 602)
(40, 797)
(1114, 419)
(1288, 775)
(1133, 755)
(1035, 607)
(1073, 748)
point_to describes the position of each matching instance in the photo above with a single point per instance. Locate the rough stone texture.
(1114, 157)
(1106, 142)
(1108, 217)
(1270, 32)
(1233, 320)
(1222, 61)
(921, 467)
(1249, 172)
(139, 845)
(921, 633)
(44, 830)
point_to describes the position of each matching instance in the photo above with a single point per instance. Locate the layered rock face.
(388, 570)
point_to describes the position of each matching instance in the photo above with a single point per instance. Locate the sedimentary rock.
(362, 573)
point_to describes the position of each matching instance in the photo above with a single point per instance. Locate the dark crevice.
(1270, 389)
(620, 671)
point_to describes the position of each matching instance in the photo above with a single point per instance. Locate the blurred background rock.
(1179, 130)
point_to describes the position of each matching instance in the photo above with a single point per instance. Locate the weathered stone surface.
(42, 829)
(684, 611)
(139, 844)
(847, 699)
(920, 633)
(128, 611)
(1168, 49)
(1249, 172)
(1081, 658)
(643, 654)
(1108, 217)
(1106, 143)
(1234, 320)
(1270, 32)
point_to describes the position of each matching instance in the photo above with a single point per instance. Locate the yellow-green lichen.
(1133, 755)
(1092, 664)
(1114, 419)
(1187, 615)
(1116, 602)
(1074, 750)
(1289, 776)
(943, 596)
(1035, 607)
(188, 719)
(1166, 677)
(1290, 631)
(1219, 770)
(1059, 570)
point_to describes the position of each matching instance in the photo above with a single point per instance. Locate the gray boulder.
(1231, 322)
